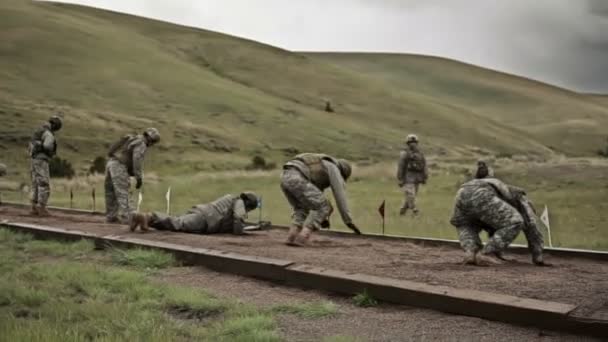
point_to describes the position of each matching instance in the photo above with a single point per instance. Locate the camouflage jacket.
(227, 214)
(412, 167)
(130, 151)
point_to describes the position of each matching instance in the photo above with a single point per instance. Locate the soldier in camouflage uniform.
(227, 214)
(483, 170)
(42, 148)
(502, 210)
(125, 159)
(303, 181)
(411, 172)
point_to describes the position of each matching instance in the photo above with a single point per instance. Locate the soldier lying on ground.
(303, 181)
(502, 210)
(227, 214)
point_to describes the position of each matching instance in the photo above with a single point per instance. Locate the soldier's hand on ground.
(354, 228)
(138, 183)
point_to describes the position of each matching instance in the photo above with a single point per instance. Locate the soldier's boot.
(402, 211)
(482, 259)
(539, 261)
(469, 258)
(501, 256)
(136, 220)
(43, 212)
(416, 212)
(303, 239)
(34, 210)
(293, 234)
(144, 223)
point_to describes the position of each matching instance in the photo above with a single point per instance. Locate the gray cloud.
(563, 42)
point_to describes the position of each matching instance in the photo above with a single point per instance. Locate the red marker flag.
(381, 208)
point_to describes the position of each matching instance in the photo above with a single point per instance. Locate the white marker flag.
(544, 217)
(139, 200)
(168, 198)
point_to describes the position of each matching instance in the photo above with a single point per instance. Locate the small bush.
(61, 168)
(98, 166)
(259, 163)
(364, 300)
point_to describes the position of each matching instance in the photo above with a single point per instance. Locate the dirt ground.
(570, 280)
(382, 323)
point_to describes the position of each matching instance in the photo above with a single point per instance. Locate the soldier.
(125, 159)
(42, 148)
(411, 172)
(503, 211)
(225, 215)
(483, 170)
(303, 181)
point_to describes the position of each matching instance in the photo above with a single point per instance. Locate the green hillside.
(568, 122)
(217, 100)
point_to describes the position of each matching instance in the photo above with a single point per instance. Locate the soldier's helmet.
(2, 170)
(152, 135)
(411, 138)
(345, 168)
(250, 199)
(56, 123)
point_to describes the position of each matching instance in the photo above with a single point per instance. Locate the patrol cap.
(250, 199)
(56, 122)
(345, 168)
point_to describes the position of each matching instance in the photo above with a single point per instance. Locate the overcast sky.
(564, 42)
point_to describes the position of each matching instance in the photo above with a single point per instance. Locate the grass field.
(53, 291)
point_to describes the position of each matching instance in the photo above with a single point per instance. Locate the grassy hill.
(218, 100)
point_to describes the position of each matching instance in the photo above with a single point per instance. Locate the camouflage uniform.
(303, 181)
(502, 210)
(411, 172)
(42, 148)
(224, 215)
(126, 158)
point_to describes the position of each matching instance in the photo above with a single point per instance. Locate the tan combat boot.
(144, 223)
(34, 210)
(136, 220)
(486, 260)
(293, 233)
(469, 258)
(303, 239)
(43, 212)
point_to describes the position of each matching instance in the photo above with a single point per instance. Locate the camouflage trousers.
(41, 188)
(410, 190)
(191, 222)
(304, 197)
(479, 207)
(117, 192)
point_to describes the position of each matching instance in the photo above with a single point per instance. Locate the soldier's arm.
(339, 190)
(139, 152)
(48, 141)
(531, 231)
(401, 167)
(239, 214)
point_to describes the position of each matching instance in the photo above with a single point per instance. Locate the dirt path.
(573, 281)
(383, 323)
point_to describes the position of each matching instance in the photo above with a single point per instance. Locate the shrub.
(98, 166)
(61, 168)
(259, 163)
(364, 300)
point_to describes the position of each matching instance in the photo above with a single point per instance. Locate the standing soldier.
(303, 181)
(126, 158)
(412, 172)
(227, 214)
(502, 210)
(42, 148)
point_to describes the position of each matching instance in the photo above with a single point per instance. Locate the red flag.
(381, 208)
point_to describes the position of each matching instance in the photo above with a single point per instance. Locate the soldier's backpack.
(122, 151)
(36, 143)
(415, 161)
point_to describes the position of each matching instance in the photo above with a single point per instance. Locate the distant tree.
(61, 168)
(259, 163)
(98, 166)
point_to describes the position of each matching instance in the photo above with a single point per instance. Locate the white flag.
(139, 200)
(544, 217)
(168, 198)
